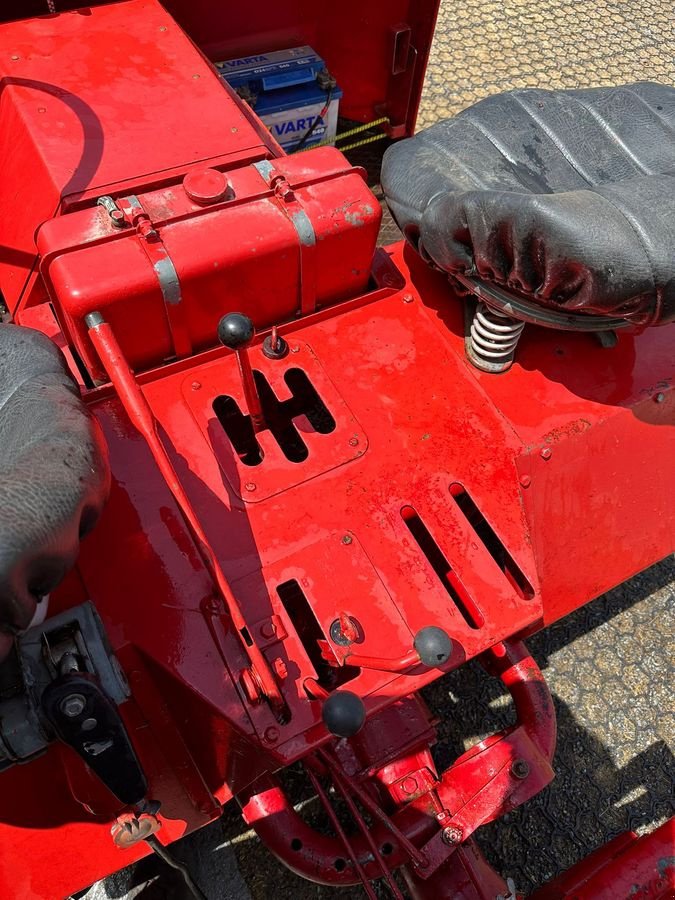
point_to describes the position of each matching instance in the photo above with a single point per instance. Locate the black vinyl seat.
(565, 198)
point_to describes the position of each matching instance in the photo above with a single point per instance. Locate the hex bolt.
(520, 769)
(280, 668)
(525, 481)
(546, 453)
(409, 785)
(452, 834)
(268, 629)
(73, 705)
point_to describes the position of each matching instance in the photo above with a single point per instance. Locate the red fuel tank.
(201, 203)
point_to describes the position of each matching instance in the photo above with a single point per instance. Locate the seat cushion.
(565, 197)
(54, 478)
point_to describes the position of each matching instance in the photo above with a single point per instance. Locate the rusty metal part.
(128, 829)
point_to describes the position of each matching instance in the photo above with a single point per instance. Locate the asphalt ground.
(610, 664)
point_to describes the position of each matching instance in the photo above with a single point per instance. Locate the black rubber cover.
(565, 197)
(54, 476)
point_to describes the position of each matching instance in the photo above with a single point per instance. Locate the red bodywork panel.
(429, 494)
(424, 422)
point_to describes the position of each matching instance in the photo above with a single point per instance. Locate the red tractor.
(264, 480)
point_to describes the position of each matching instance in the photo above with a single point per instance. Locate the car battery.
(291, 91)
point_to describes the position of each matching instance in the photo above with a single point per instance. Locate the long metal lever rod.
(138, 409)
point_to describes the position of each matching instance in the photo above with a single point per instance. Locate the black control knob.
(235, 331)
(343, 713)
(433, 645)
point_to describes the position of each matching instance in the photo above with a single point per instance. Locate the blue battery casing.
(283, 90)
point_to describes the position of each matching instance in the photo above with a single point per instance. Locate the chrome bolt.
(73, 705)
(451, 834)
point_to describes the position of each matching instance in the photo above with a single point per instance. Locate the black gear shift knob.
(235, 331)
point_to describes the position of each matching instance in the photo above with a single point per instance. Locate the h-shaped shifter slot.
(278, 417)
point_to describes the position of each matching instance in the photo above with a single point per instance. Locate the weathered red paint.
(566, 460)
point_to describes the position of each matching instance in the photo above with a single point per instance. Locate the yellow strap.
(346, 134)
(368, 140)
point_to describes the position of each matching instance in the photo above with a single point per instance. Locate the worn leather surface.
(565, 197)
(54, 475)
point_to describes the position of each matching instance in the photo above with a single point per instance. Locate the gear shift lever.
(236, 332)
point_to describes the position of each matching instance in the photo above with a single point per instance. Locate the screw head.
(72, 705)
(89, 724)
(660, 397)
(353, 442)
(546, 453)
(408, 298)
(520, 769)
(250, 486)
(271, 735)
(525, 481)
(196, 385)
(347, 539)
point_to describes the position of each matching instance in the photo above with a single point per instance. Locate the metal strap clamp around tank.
(292, 207)
(151, 241)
